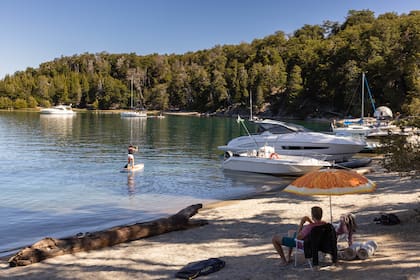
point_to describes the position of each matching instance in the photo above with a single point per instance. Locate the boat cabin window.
(302, 148)
(280, 128)
(274, 129)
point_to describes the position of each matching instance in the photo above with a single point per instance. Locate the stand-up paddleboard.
(136, 167)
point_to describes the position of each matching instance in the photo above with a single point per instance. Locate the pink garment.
(347, 225)
(342, 228)
(307, 229)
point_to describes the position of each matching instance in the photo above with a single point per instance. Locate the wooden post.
(51, 247)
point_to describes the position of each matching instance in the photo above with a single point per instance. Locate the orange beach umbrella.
(331, 182)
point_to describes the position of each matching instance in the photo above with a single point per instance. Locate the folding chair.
(300, 250)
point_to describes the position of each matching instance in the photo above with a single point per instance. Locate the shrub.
(5, 103)
(20, 103)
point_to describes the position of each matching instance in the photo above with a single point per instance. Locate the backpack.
(388, 219)
(204, 267)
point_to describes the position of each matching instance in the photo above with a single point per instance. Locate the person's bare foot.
(283, 263)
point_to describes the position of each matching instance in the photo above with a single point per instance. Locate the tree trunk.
(51, 247)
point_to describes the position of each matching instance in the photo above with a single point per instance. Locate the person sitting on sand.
(346, 227)
(302, 231)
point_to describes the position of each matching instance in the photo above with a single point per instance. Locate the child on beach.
(302, 231)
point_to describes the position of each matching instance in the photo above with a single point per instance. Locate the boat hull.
(57, 113)
(285, 165)
(134, 115)
(352, 130)
(58, 110)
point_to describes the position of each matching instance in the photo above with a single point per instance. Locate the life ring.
(274, 156)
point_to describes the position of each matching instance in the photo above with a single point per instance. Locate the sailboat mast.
(131, 89)
(363, 96)
(250, 105)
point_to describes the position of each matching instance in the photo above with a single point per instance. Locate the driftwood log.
(51, 247)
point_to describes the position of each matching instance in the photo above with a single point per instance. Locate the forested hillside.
(316, 69)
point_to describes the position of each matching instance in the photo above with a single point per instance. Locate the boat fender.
(274, 156)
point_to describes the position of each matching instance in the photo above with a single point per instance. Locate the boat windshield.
(278, 127)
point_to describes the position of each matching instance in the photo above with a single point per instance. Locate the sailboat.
(133, 113)
(368, 128)
(360, 126)
(251, 117)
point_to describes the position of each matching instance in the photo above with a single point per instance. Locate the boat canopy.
(383, 112)
(279, 127)
(350, 122)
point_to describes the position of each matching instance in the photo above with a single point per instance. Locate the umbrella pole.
(330, 210)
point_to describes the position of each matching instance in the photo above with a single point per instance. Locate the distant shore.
(175, 113)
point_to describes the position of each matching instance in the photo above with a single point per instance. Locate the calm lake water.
(61, 175)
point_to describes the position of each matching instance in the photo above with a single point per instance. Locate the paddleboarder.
(130, 160)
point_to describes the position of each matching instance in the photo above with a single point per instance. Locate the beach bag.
(388, 219)
(199, 268)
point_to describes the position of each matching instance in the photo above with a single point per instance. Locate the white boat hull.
(313, 144)
(58, 110)
(285, 165)
(353, 130)
(134, 114)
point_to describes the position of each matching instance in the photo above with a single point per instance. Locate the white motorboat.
(290, 139)
(267, 161)
(58, 110)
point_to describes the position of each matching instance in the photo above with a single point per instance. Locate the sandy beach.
(240, 231)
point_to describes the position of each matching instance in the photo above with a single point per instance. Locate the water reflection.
(57, 124)
(137, 127)
(131, 184)
(68, 180)
(260, 182)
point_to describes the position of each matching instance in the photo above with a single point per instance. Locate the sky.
(37, 31)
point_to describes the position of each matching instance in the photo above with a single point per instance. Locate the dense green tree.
(294, 84)
(31, 102)
(5, 103)
(20, 103)
(75, 91)
(159, 99)
(178, 87)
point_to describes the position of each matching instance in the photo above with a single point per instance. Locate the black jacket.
(321, 238)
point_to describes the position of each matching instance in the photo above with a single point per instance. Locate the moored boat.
(134, 114)
(58, 110)
(294, 140)
(267, 161)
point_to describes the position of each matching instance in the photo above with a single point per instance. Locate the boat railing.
(266, 153)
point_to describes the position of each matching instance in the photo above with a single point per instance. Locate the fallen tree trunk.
(51, 247)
